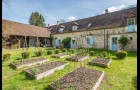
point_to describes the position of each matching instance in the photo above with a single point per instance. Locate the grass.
(121, 74)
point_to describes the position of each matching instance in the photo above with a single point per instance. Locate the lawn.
(119, 76)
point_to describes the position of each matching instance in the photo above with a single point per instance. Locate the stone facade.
(101, 40)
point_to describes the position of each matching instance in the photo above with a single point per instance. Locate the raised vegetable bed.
(104, 62)
(78, 58)
(60, 55)
(79, 79)
(44, 70)
(23, 63)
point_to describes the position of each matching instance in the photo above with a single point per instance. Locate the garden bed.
(44, 70)
(60, 55)
(23, 63)
(79, 79)
(104, 62)
(78, 58)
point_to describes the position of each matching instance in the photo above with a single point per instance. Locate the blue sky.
(54, 10)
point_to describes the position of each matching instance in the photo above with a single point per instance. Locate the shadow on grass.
(134, 81)
(117, 59)
(18, 58)
(47, 88)
(27, 76)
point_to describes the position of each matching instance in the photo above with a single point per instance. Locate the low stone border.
(78, 58)
(46, 70)
(25, 63)
(60, 55)
(87, 79)
(104, 62)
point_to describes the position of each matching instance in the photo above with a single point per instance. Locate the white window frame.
(89, 24)
(61, 29)
(130, 21)
(74, 27)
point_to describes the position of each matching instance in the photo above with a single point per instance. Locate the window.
(88, 40)
(73, 41)
(61, 29)
(74, 27)
(89, 24)
(131, 21)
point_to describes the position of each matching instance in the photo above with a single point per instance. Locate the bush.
(91, 53)
(121, 54)
(6, 56)
(104, 54)
(64, 50)
(49, 52)
(72, 50)
(38, 53)
(66, 42)
(56, 51)
(25, 54)
(108, 56)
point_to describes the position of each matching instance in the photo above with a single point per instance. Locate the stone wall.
(99, 37)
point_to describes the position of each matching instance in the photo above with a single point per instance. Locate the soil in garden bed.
(21, 62)
(100, 61)
(59, 55)
(45, 67)
(76, 58)
(80, 79)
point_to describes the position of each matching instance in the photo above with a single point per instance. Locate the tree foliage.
(37, 19)
(123, 41)
(66, 42)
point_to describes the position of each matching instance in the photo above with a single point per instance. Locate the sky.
(55, 10)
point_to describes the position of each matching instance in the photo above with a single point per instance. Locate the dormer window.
(75, 26)
(131, 21)
(89, 24)
(61, 28)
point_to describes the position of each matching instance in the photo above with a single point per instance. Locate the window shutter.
(91, 40)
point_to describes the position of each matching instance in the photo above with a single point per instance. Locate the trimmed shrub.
(72, 50)
(104, 53)
(25, 54)
(121, 54)
(64, 50)
(56, 51)
(49, 52)
(6, 56)
(38, 53)
(91, 53)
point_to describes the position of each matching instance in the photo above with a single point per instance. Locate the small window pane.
(88, 41)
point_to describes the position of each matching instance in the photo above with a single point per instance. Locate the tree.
(66, 42)
(37, 19)
(123, 41)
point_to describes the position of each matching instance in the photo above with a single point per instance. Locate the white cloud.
(71, 18)
(115, 8)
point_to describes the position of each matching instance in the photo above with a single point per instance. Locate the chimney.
(57, 22)
(48, 25)
(106, 11)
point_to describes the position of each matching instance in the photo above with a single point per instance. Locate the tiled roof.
(108, 20)
(24, 29)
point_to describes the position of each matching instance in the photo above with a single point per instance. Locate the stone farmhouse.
(101, 31)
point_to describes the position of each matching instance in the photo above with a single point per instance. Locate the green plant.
(38, 53)
(35, 70)
(25, 54)
(64, 50)
(6, 56)
(72, 50)
(134, 81)
(121, 54)
(49, 52)
(91, 53)
(56, 51)
(123, 41)
(104, 54)
(66, 42)
(109, 56)
(72, 87)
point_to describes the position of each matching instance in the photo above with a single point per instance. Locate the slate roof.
(20, 29)
(108, 20)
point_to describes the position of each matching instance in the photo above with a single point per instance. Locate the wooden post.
(18, 43)
(107, 39)
(45, 41)
(37, 41)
